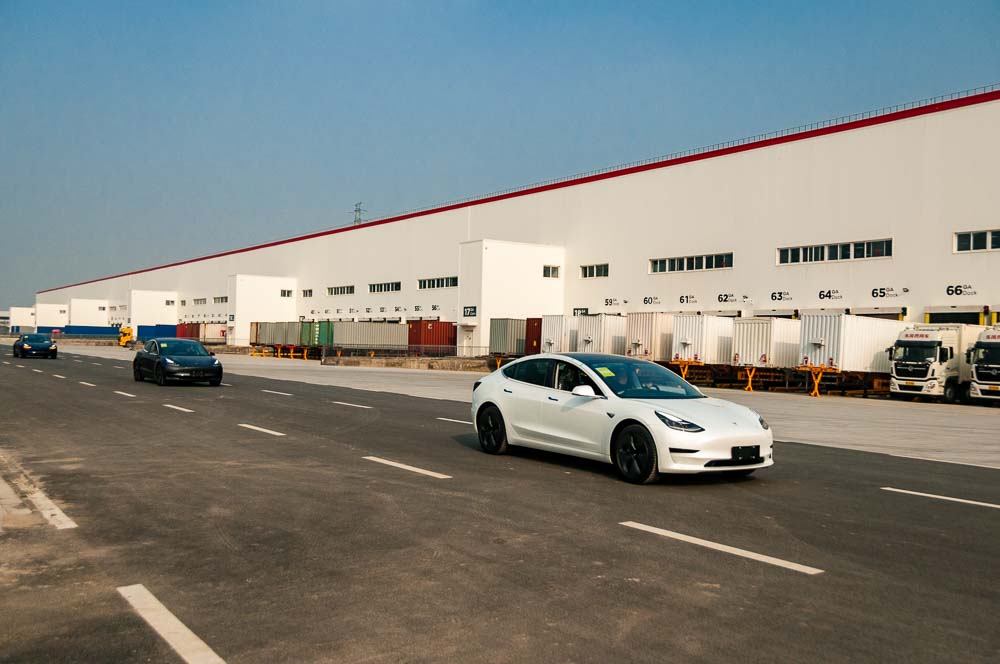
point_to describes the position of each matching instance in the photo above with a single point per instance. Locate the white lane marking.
(80, 361)
(48, 509)
(722, 547)
(87, 384)
(448, 419)
(97, 364)
(412, 469)
(38, 371)
(352, 405)
(284, 394)
(225, 384)
(957, 463)
(19, 366)
(183, 410)
(124, 394)
(185, 643)
(934, 495)
(6, 362)
(58, 376)
(262, 430)
(117, 367)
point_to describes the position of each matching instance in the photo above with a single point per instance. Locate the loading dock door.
(969, 317)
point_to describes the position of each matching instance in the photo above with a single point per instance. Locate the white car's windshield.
(638, 379)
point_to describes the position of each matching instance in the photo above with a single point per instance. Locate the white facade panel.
(559, 333)
(649, 335)
(22, 317)
(88, 312)
(153, 307)
(707, 339)
(848, 343)
(601, 334)
(766, 342)
(52, 315)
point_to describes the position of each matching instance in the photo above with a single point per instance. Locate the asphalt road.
(298, 548)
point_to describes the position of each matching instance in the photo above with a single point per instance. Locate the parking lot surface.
(288, 521)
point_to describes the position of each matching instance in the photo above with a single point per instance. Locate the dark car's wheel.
(215, 382)
(492, 432)
(52, 356)
(137, 373)
(17, 353)
(634, 454)
(159, 376)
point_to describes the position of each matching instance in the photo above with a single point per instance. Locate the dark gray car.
(186, 360)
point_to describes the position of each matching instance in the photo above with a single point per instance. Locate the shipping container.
(254, 334)
(90, 330)
(431, 333)
(308, 334)
(559, 334)
(706, 339)
(766, 342)
(848, 343)
(145, 332)
(601, 333)
(325, 333)
(287, 333)
(189, 330)
(649, 335)
(374, 335)
(212, 333)
(533, 336)
(507, 336)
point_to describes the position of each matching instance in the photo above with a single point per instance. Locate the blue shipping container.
(91, 330)
(153, 331)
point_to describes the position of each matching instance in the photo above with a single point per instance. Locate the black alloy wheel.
(136, 372)
(635, 455)
(159, 376)
(492, 432)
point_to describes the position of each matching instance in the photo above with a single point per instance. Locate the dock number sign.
(469, 312)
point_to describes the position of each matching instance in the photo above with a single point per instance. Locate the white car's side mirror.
(584, 391)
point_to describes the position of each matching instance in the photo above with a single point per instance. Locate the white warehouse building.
(893, 213)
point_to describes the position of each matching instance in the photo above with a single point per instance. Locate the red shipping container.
(439, 334)
(188, 330)
(533, 336)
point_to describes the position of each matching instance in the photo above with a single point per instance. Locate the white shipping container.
(601, 333)
(649, 335)
(848, 343)
(213, 332)
(370, 334)
(766, 342)
(707, 339)
(559, 334)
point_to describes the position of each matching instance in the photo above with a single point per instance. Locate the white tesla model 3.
(642, 417)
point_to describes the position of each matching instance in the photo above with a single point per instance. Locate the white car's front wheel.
(634, 454)
(492, 432)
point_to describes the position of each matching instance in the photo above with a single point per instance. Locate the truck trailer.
(931, 361)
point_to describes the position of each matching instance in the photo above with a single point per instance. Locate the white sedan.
(641, 417)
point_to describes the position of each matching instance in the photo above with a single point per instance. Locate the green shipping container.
(309, 334)
(325, 333)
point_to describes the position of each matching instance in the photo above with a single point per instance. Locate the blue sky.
(133, 134)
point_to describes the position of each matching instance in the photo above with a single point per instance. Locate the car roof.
(173, 339)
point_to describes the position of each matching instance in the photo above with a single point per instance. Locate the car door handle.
(507, 391)
(553, 399)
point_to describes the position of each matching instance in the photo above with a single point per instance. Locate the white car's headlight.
(677, 424)
(760, 418)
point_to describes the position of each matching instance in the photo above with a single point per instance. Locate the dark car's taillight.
(476, 384)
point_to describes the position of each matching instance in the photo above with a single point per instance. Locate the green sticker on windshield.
(604, 371)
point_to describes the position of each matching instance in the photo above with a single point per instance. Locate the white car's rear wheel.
(492, 432)
(635, 455)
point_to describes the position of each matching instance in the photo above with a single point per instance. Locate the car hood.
(193, 361)
(707, 413)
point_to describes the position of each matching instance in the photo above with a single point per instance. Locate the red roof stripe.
(938, 107)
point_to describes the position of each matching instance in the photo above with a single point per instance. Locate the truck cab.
(984, 359)
(930, 361)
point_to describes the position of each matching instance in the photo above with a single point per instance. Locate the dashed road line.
(261, 429)
(19, 366)
(125, 394)
(448, 419)
(6, 362)
(225, 384)
(80, 361)
(804, 569)
(38, 371)
(117, 366)
(934, 495)
(48, 509)
(87, 384)
(58, 376)
(185, 643)
(97, 364)
(412, 469)
(957, 463)
(352, 405)
(183, 410)
(284, 394)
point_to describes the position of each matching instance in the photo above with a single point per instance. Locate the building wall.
(152, 307)
(915, 181)
(22, 317)
(259, 300)
(88, 312)
(54, 315)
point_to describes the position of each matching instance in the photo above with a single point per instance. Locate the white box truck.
(848, 343)
(984, 357)
(932, 361)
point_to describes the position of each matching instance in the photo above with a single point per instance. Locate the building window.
(184, 303)
(687, 263)
(840, 251)
(102, 308)
(550, 271)
(307, 292)
(286, 292)
(62, 311)
(977, 240)
(437, 282)
(594, 271)
(169, 303)
(386, 287)
(220, 300)
(340, 290)
(199, 300)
